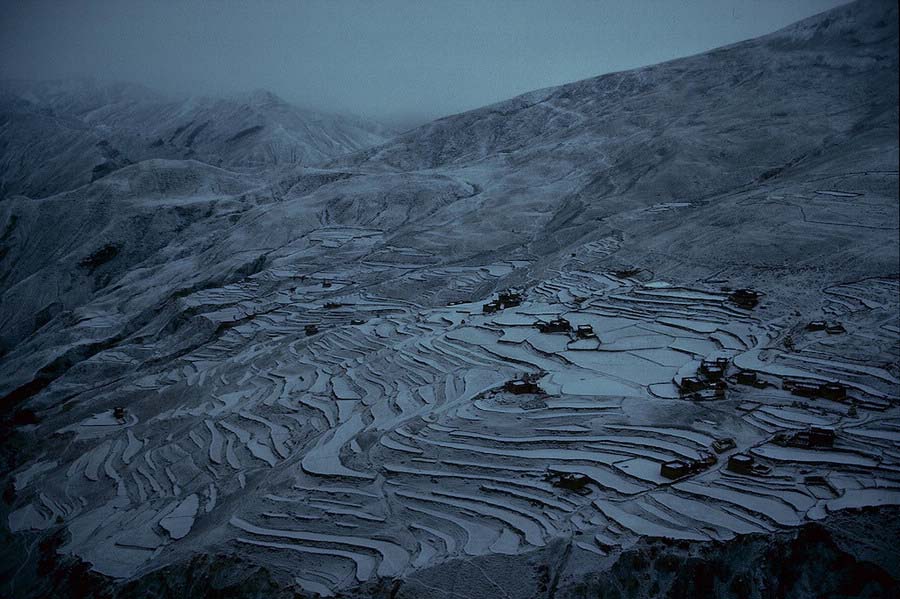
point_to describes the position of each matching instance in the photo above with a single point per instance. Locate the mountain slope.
(744, 108)
(61, 135)
(307, 371)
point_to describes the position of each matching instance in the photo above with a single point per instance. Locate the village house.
(526, 384)
(557, 325)
(714, 370)
(746, 377)
(568, 480)
(678, 468)
(742, 463)
(491, 307)
(835, 328)
(816, 325)
(815, 437)
(585, 331)
(724, 444)
(745, 298)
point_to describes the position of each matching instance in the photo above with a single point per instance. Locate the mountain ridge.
(309, 361)
(62, 134)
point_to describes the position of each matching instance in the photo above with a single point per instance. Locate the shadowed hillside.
(61, 135)
(504, 350)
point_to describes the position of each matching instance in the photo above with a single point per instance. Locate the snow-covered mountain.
(58, 135)
(313, 394)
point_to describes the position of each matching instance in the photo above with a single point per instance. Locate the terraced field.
(382, 441)
(546, 347)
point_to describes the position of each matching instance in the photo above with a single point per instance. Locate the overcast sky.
(399, 61)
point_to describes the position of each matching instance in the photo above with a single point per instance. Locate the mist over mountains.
(58, 135)
(273, 351)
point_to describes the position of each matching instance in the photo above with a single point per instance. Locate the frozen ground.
(58, 135)
(379, 444)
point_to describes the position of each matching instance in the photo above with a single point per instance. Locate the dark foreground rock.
(852, 554)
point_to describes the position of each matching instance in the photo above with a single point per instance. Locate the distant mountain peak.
(263, 97)
(53, 142)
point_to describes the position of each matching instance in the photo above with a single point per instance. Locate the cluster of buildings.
(506, 299)
(744, 463)
(525, 385)
(815, 437)
(676, 469)
(834, 391)
(568, 480)
(557, 325)
(745, 298)
(709, 382)
(832, 328)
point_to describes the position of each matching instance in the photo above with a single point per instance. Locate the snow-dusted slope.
(712, 121)
(60, 135)
(300, 394)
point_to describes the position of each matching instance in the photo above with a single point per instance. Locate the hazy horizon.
(635, 334)
(398, 62)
